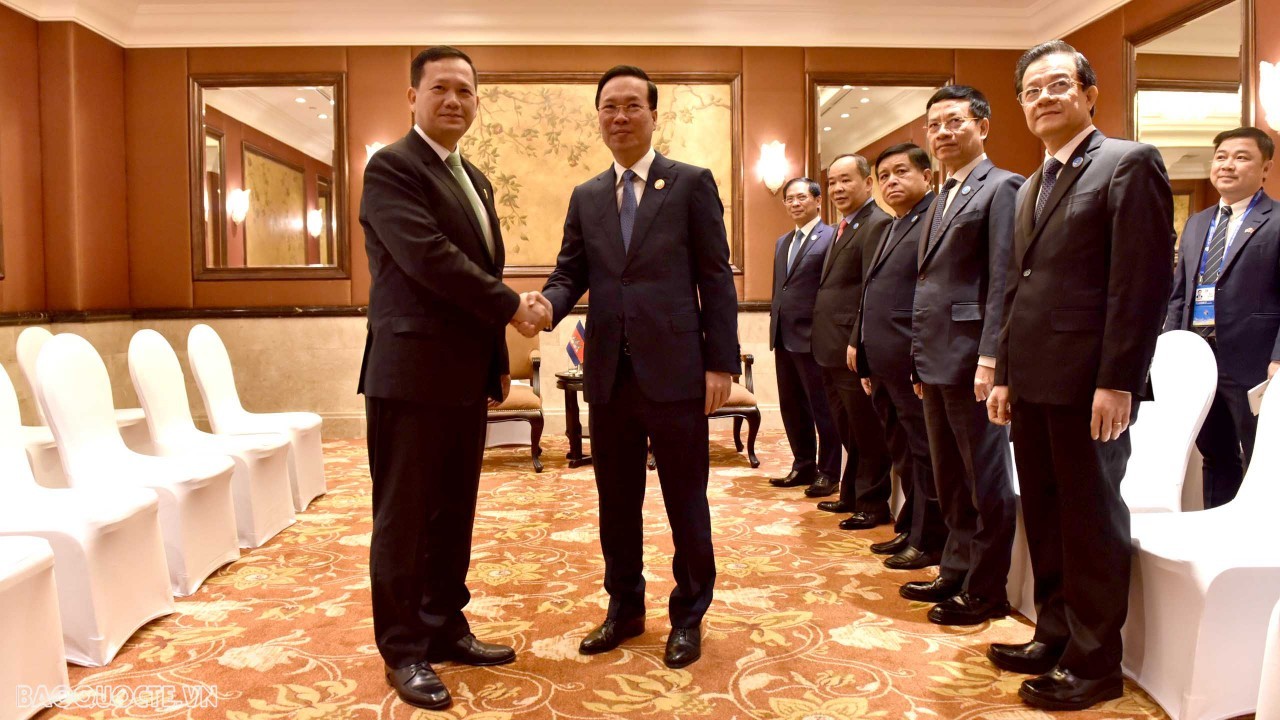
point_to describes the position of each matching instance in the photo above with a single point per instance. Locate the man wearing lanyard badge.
(1229, 293)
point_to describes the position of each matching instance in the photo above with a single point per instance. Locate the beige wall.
(314, 363)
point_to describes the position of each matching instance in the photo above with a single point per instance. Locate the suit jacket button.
(626, 281)
(1026, 273)
(923, 276)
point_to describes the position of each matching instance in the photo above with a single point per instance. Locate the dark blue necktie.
(1050, 177)
(935, 228)
(627, 213)
(1217, 248)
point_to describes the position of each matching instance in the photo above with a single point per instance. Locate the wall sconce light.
(315, 223)
(1269, 92)
(238, 205)
(773, 166)
(372, 148)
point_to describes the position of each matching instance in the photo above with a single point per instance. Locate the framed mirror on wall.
(864, 115)
(1188, 82)
(268, 186)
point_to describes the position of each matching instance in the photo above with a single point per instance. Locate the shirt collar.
(1066, 151)
(641, 168)
(1238, 208)
(860, 208)
(963, 173)
(441, 150)
(809, 226)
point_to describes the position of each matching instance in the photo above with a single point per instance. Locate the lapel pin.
(660, 184)
(915, 218)
(1077, 162)
(855, 225)
(1248, 230)
(965, 190)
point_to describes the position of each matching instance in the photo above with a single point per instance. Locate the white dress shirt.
(1066, 151)
(1237, 217)
(960, 176)
(641, 169)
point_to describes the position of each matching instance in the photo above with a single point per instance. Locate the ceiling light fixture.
(865, 100)
(300, 100)
(844, 115)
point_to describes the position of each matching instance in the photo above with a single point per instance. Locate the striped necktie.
(1049, 179)
(1217, 248)
(454, 161)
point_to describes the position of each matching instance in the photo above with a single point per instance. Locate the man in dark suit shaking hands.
(1088, 284)
(1232, 298)
(647, 238)
(435, 352)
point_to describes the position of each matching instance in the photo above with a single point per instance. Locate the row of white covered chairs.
(1204, 583)
(133, 530)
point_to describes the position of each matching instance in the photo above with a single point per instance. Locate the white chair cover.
(1269, 687)
(1198, 608)
(112, 577)
(211, 367)
(132, 422)
(196, 515)
(42, 451)
(33, 672)
(1184, 376)
(260, 484)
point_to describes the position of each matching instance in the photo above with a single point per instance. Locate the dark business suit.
(1087, 290)
(1246, 336)
(866, 484)
(801, 397)
(661, 315)
(959, 302)
(436, 349)
(883, 328)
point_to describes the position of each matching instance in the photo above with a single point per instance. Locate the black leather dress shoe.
(863, 520)
(684, 647)
(794, 478)
(1060, 689)
(419, 686)
(966, 609)
(835, 506)
(911, 558)
(1033, 658)
(610, 635)
(823, 486)
(934, 591)
(468, 650)
(892, 547)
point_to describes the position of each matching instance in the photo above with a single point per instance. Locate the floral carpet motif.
(806, 624)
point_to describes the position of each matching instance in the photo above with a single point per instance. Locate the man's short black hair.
(1265, 144)
(978, 105)
(864, 168)
(628, 71)
(1084, 71)
(434, 54)
(814, 188)
(914, 153)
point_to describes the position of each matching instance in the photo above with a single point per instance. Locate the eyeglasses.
(796, 199)
(952, 125)
(632, 110)
(1057, 88)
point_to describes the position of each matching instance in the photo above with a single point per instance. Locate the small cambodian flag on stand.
(576, 344)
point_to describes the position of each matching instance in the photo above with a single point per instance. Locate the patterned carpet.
(806, 623)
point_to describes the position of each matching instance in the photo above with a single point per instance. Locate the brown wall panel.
(83, 141)
(156, 154)
(894, 61)
(1010, 144)
(773, 99)
(1188, 67)
(267, 59)
(21, 199)
(912, 132)
(1102, 41)
(377, 111)
(271, 293)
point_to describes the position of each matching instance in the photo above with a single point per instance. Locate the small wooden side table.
(571, 383)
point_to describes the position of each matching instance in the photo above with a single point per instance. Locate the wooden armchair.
(524, 403)
(740, 406)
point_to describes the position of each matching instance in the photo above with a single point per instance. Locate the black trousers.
(1226, 441)
(866, 484)
(973, 471)
(1077, 531)
(620, 431)
(802, 399)
(902, 416)
(425, 464)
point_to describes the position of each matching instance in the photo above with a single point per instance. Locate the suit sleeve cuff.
(986, 361)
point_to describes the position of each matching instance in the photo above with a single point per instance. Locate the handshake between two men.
(533, 315)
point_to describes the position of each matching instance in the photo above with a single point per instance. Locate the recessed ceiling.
(795, 23)
(306, 126)
(872, 112)
(1216, 34)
